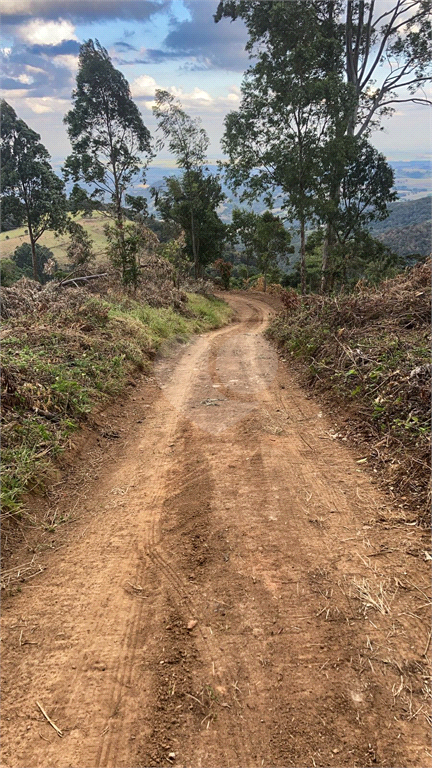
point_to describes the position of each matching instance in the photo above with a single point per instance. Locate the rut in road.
(226, 597)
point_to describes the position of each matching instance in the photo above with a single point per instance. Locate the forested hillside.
(408, 240)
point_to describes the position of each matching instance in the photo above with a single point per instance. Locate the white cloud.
(46, 104)
(66, 60)
(197, 96)
(143, 86)
(40, 32)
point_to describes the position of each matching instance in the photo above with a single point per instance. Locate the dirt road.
(229, 588)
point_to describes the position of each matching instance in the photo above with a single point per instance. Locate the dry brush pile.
(369, 353)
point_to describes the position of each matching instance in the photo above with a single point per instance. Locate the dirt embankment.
(229, 589)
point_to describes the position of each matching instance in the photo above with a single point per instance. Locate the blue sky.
(170, 44)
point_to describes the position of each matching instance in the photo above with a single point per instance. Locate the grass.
(57, 368)
(58, 244)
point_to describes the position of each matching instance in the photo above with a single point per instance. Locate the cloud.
(65, 48)
(18, 11)
(42, 32)
(144, 88)
(213, 46)
(67, 61)
(199, 43)
(46, 104)
(122, 45)
(41, 74)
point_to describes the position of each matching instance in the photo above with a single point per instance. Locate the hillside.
(405, 214)
(408, 229)
(94, 225)
(408, 240)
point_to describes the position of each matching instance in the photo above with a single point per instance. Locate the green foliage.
(175, 252)
(165, 230)
(80, 202)
(187, 141)
(80, 249)
(125, 244)
(30, 190)
(310, 101)
(364, 181)
(242, 230)
(107, 134)
(271, 243)
(46, 263)
(191, 202)
(224, 268)
(9, 272)
(137, 207)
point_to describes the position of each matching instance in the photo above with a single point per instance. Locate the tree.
(105, 127)
(382, 52)
(242, 229)
(188, 142)
(80, 249)
(81, 202)
(175, 252)
(30, 190)
(46, 263)
(137, 207)
(204, 231)
(271, 243)
(126, 245)
(9, 272)
(333, 50)
(224, 268)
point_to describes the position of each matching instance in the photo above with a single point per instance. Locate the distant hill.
(413, 239)
(408, 229)
(406, 213)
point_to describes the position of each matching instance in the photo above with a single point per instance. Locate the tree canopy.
(310, 101)
(110, 143)
(199, 193)
(30, 190)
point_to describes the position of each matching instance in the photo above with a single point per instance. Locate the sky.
(169, 44)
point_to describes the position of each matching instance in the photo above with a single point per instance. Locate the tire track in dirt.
(177, 396)
(230, 505)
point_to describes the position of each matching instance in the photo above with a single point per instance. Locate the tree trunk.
(119, 220)
(194, 246)
(34, 256)
(326, 259)
(302, 257)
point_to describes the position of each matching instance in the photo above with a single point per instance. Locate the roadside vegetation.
(115, 278)
(69, 353)
(368, 353)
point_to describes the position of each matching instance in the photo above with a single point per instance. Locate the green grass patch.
(57, 369)
(58, 244)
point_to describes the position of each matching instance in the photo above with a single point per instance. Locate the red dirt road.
(229, 588)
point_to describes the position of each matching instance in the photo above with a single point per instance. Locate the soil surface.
(219, 583)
